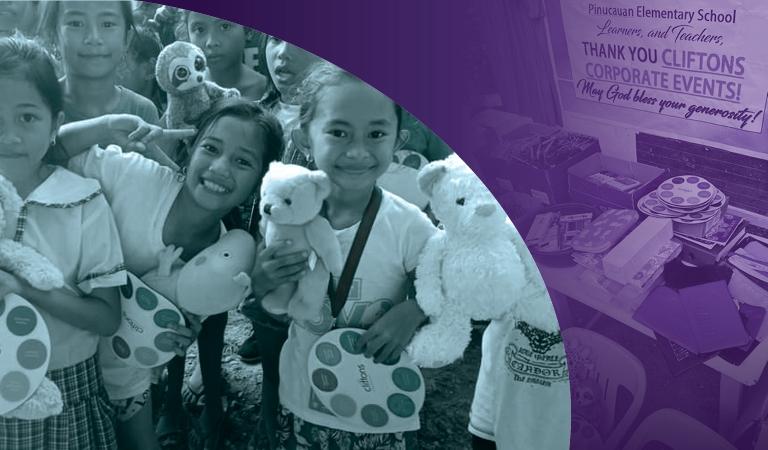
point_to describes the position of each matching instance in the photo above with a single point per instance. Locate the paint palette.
(686, 192)
(687, 199)
(144, 338)
(25, 350)
(651, 205)
(359, 391)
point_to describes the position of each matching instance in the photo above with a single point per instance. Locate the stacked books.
(752, 260)
(749, 284)
(713, 246)
(694, 324)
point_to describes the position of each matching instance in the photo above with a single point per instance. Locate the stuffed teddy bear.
(291, 199)
(180, 72)
(39, 272)
(214, 281)
(476, 267)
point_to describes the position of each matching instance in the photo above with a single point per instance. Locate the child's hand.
(9, 284)
(183, 336)
(386, 339)
(271, 271)
(133, 134)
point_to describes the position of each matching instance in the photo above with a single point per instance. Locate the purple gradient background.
(421, 55)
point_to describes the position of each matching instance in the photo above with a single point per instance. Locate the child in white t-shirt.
(522, 397)
(350, 131)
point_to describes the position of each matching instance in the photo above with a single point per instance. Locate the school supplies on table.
(554, 230)
(632, 253)
(641, 283)
(611, 182)
(694, 204)
(605, 231)
(701, 318)
(749, 287)
(614, 180)
(716, 244)
(752, 259)
(746, 290)
(539, 156)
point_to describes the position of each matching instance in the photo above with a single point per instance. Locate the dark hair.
(273, 147)
(50, 16)
(247, 110)
(322, 75)
(144, 44)
(27, 60)
(271, 93)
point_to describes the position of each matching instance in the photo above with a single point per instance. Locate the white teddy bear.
(291, 199)
(39, 272)
(476, 267)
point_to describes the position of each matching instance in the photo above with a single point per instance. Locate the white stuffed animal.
(39, 272)
(214, 281)
(291, 199)
(476, 267)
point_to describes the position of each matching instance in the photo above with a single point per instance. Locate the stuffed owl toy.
(180, 72)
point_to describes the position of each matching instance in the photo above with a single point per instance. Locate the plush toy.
(214, 281)
(291, 199)
(180, 72)
(39, 272)
(476, 267)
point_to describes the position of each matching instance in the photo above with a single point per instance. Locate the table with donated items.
(567, 281)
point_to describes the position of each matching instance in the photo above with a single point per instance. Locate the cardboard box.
(582, 189)
(546, 176)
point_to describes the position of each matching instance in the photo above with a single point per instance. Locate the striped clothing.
(85, 424)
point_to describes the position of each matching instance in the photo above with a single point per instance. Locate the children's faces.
(226, 164)
(222, 42)
(92, 37)
(26, 125)
(352, 135)
(287, 64)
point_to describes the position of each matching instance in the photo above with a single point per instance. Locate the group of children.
(97, 211)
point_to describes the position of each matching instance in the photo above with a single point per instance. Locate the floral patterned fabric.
(297, 434)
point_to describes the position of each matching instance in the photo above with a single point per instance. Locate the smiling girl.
(92, 38)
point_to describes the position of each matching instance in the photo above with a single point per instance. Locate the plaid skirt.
(84, 424)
